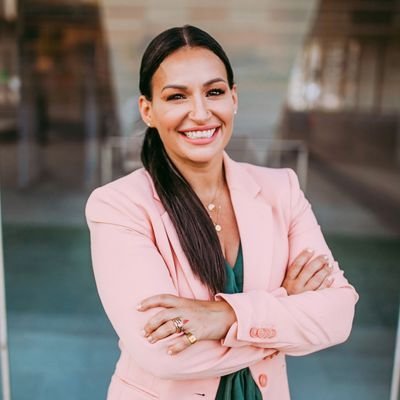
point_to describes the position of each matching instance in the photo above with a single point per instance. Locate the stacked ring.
(192, 339)
(178, 324)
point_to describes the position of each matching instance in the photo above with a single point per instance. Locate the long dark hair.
(193, 225)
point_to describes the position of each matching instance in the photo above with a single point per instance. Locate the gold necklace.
(211, 206)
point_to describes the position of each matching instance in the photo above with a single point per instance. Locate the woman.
(203, 264)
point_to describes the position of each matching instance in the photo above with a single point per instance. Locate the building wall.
(261, 37)
(345, 85)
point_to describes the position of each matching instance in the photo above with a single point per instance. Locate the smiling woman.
(192, 103)
(210, 271)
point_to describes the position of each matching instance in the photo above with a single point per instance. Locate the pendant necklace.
(211, 206)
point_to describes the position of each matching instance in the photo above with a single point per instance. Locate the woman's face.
(192, 106)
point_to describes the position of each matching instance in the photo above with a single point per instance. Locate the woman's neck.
(205, 179)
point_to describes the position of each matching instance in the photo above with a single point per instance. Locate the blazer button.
(262, 333)
(262, 380)
(253, 332)
(271, 333)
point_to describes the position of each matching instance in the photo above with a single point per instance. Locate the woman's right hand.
(307, 273)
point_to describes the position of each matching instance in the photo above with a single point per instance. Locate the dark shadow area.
(66, 104)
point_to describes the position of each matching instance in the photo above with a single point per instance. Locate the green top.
(239, 385)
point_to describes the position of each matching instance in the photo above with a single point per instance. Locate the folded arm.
(302, 323)
(128, 268)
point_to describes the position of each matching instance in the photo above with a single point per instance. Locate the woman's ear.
(234, 98)
(145, 110)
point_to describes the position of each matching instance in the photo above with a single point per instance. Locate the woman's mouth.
(200, 134)
(203, 136)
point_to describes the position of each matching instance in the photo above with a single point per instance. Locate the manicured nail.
(150, 339)
(139, 307)
(170, 352)
(326, 258)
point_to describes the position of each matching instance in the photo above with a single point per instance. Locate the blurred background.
(319, 91)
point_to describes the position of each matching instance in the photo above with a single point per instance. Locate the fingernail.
(326, 258)
(330, 265)
(308, 250)
(144, 333)
(329, 279)
(150, 339)
(169, 352)
(138, 307)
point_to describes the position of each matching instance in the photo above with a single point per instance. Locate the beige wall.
(262, 38)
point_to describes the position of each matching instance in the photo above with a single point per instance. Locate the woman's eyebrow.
(173, 86)
(183, 87)
(215, 80)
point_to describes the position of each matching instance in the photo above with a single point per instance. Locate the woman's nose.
(199, 111)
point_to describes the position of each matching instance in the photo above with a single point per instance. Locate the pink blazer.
(136, 254)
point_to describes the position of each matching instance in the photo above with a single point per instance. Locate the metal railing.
(121, 155)
(277, 153)
(126, 149)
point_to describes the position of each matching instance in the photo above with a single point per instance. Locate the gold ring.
(192, 339)
(178, 324)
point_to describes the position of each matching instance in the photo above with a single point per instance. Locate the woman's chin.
(206, 153)
(204, 156)
(184, 157)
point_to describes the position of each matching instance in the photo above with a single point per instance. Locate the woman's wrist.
(226, 316)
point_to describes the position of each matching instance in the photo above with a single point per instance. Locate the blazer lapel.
(254, 219)
(199, 290)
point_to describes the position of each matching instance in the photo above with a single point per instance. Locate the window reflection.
(347, 74)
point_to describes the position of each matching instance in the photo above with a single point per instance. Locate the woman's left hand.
(206, 320)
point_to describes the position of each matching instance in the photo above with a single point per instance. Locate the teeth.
(200, 134)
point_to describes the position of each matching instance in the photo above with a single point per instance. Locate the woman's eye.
(175, 96)
(215, 92)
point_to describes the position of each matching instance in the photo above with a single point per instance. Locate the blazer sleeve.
(128, 268)
(296, 324)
